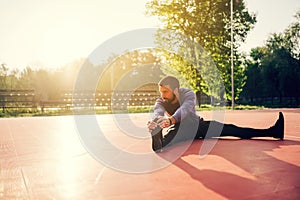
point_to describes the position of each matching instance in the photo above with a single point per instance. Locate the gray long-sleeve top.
(186, 109)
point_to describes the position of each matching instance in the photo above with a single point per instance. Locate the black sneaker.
(278, 128)
(157, 139)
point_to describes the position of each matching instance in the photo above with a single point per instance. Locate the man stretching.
(175, 110)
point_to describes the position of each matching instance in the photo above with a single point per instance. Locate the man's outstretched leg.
(157, 139)
(276, 131)
(172, 136)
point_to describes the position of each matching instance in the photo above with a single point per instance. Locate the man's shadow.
(273, 178)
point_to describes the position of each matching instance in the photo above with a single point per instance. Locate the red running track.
(44, 158)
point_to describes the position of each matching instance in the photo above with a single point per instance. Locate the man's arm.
(187, 107)
(159, 112)
(159, 109)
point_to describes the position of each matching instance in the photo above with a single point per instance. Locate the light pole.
(231, 46)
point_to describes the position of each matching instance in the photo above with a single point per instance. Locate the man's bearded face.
(167, 94)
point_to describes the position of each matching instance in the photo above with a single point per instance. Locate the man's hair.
(169, 80)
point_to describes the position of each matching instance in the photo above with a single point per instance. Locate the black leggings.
(211, 129)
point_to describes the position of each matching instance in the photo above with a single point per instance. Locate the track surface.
(43, 158)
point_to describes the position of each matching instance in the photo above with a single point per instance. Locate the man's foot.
(157, 140)
(278, 128)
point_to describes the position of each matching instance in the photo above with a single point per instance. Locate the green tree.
(138, 66)
(26, 79)
(12, 79)
(206, 22)
(253, 72)
(277, 65)
(3, 76)
(289, 39)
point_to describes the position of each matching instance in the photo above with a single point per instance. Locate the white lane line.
(99, 176)
(292, 136)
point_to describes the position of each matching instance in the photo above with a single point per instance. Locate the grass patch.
(65, 112)
(247, 107)
(208, 107)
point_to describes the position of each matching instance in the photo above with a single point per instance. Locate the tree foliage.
(136, 66)
(120, 71)
(274, 69)
(206, 22)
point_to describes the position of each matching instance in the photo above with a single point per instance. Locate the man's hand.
(154, 123)
(164, 122)
(151, 125)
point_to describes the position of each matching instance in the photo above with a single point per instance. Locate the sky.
(52, 33)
